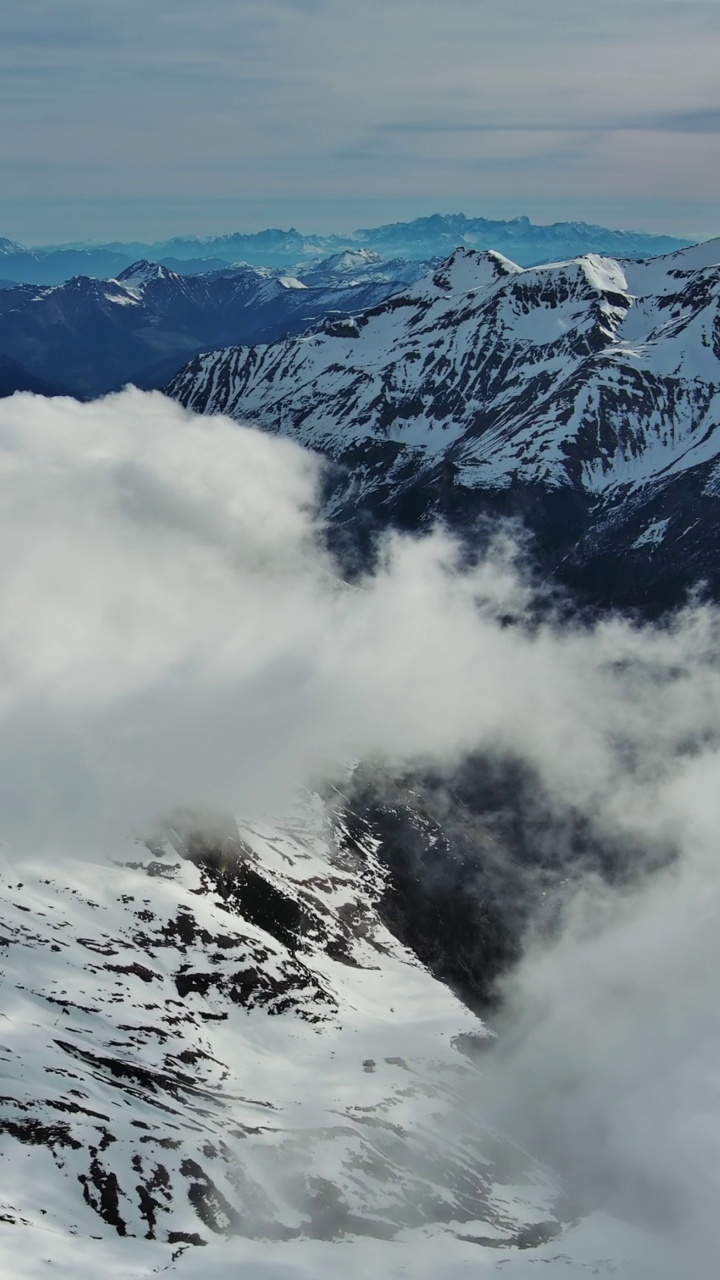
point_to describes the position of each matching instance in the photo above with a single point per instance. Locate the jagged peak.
(466, 269)
(146, 272)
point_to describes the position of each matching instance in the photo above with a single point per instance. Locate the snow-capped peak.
(144, 272)
(9, 247)
(465, 270)
(587, 376)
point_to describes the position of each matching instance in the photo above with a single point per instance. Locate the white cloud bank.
(171, 630)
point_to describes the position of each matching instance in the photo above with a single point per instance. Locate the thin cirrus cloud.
(706, 120)
(332, 114)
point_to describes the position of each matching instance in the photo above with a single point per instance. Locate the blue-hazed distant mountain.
(20, 265)
(525, 242)
(95, 335)
(13, 377)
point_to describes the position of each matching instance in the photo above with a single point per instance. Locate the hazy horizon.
(158, 226)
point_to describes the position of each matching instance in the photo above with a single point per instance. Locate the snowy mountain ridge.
(428, 237)
(596, 378)
(425, 237)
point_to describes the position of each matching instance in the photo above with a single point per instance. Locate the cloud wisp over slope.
(172, 631)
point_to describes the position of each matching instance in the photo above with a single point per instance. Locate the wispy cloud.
(704, 120)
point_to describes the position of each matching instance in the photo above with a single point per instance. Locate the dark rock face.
(437, 899)
(475, 859)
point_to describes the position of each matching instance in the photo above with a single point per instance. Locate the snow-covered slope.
(589, 381)
(213, 1037)
(218, 1035)
(359, 266)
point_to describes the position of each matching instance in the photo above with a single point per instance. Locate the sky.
(123, 119)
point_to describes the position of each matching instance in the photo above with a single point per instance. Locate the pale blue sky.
(145, 118)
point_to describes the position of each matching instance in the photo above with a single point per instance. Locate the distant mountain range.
(436, 236)
(582, 397)
(93, 335)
